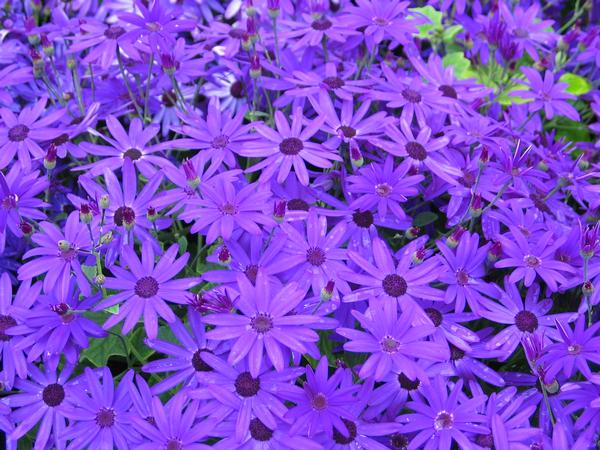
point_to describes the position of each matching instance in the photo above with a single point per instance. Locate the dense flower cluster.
(312, 224)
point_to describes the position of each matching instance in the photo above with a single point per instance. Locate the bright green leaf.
(89, 271)
(459, 62)
(434, 16)
(450, 33)
(577, 85)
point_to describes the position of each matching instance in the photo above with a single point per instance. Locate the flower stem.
(148, 83)
(127, 85)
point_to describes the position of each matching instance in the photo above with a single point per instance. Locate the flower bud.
(356, 156)
(106, 238)
(169, 63)
(255, 69)
(494, 252)
(587, 288)
(273, 8)
(50, 158)
(419, 255)
(412, 233)
(250, 8)
(26, 228)
(224, 256)
(104, 201)
(100, 279)
(553, 387)
(38, 63)
(47, 46)
(327, 291)
(193, 180)
(484, 157)
(453, 240)
(152, 214)
(476, 206)
(63, 245)
(85, 213)
(71, 63)
(279, 210)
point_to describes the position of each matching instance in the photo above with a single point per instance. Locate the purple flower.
(41, 400)
(533, 259)
(146, 287)
(322, 404)
(289, 147)
(392, 341)
(174, 425)
(441, 417)
(577, 346)
(22, 135)
(242, 395)
(185, 360)
(547, 95)
(58, 255)
(98, 415)
(264, 324)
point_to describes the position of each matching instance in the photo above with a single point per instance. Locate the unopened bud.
(104, 201)
(152, 214)
(587, 288)
(190, 174)
(419, 256)
(63, 245)
(273, 8)
(327, 291)
(100, 279)
(279, 210)
(47, 46)
(453, 240)
(224, 256)
(552, 388)
(26, 228)
(494, 252)
(50, 158)
(106, 238)
(412, 233)
(71, 62)
(85, 213)
(476, 206)
(255, 69)
(356, 156)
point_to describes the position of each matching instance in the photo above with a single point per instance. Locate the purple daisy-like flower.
(224, 205)
(577, 346)
(146, 287)
(533, 259)
(131, 144)
(184, 360)
(175, 425)
(58, 254)
(382, 186)
(22, 135)
(289, 147)
(391, 340)
(41, 400)
(387, 279)
(98, 414)
(243, 396)
(547, 95)
(441, 417)
(322, 404)
(264, 325)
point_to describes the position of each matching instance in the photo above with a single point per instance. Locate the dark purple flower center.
(416, 151)
(105, 418)
(321, 24)
(389, 344)
(10, 201)
(342, 439)
(448, 91)
(68, 255)
(18, 133)
(363, 219)
(462, 277)
(53, 394)
(297, 204)
(151, 420)
(334, 82)
(133, 154)
(394, 285)
(347, 131)
(383, 190)
(261, 323)
(60, 140)
(198, 363)
(456, 353)
(114, 32)
(237, 89)
(411, 95)
(246, 385)
(124, 215)
(468, 179)
(174, 444)
(526, 321)
(146, 287)
(291, 146)
(259, 431)
(169, 99)
(319, 402)
(6, 322)
(443, 421)
(251, 272)
(399, 442)
(407, 383)
(532, 261)
(435, 316)
(228, 209)
(315, 256)
(380, 21)
(485, 440)
(220, 142)
(237, 33)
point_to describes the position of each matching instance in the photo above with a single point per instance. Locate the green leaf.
(450, 33)
(183, 243)
(424, 218)
(511, 96)
(459, 62)
(434, 16)
(137, 344)
(89, 271)
(101, 349)
(577, 85)
(571, 130)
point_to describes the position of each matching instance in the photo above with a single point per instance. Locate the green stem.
(77, 84)
(547, 401)
(127, 85)
(276, 36)
(148, 83)
(587, 297)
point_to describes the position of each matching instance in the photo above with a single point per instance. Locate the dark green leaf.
(424, 218)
